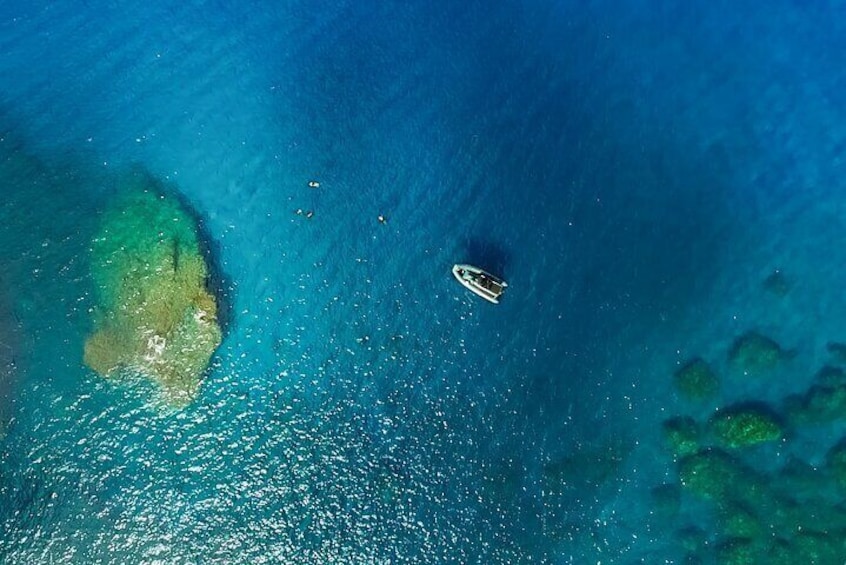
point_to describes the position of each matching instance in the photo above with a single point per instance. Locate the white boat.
(480, 282)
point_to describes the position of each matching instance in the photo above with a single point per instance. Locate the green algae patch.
(836, 464)
(713, 474)
(819, 405)
(585, 468)
(818, 547)
(738, 551)
(681, 436)
(754, 353)
(695, 380)
(155, 314)
(743, 425)
(830, 376)
(837, 350)
(735, 521)
(777, 283)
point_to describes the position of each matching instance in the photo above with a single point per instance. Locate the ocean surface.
(653, 180)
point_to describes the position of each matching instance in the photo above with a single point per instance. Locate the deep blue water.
(634, 170)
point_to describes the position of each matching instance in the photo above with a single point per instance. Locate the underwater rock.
(691, 538)
(830, 376)
(735, 521)
(738, 551)
(681, 436)
(818, 405)
(804, 482)
(837, 351)
(814, 547)
(777, 283)
(836, 463)
(744, 424)
(696, 380)
(586, 467)
(754, 353)
(713, 474)
(155, 314)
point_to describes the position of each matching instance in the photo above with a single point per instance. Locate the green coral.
(742, 425)
(754, 353)
(681, 436)
(155, 315)
(696, 380)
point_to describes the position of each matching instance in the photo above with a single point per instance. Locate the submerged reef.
(682, 436)
(824, 402)
(776, 511)
(713, 474)
(836, 464)
(155, 316)
(745, 424)
(837, 351)
(696, 381)
(754, 353)
(777, 283)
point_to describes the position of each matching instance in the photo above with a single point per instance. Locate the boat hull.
(479, 282)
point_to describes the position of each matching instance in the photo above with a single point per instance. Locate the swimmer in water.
(313, 184)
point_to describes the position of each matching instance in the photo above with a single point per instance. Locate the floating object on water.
(313, 184)
(480, 282)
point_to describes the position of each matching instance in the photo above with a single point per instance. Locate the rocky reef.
(695, 380)
(754, 353)
(156, 316)
(682, 436)
(745, 424)
(767, 504)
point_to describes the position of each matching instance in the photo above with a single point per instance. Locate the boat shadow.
(488, 255)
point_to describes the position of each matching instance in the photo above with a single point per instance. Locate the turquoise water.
(635, 171)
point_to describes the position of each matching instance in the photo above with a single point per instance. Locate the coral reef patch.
(745, 424)
(695, 380)
(681, 436)
(155, 316)
(754, 353)
(768, 502)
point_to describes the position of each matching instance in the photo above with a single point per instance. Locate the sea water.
(636, 172)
